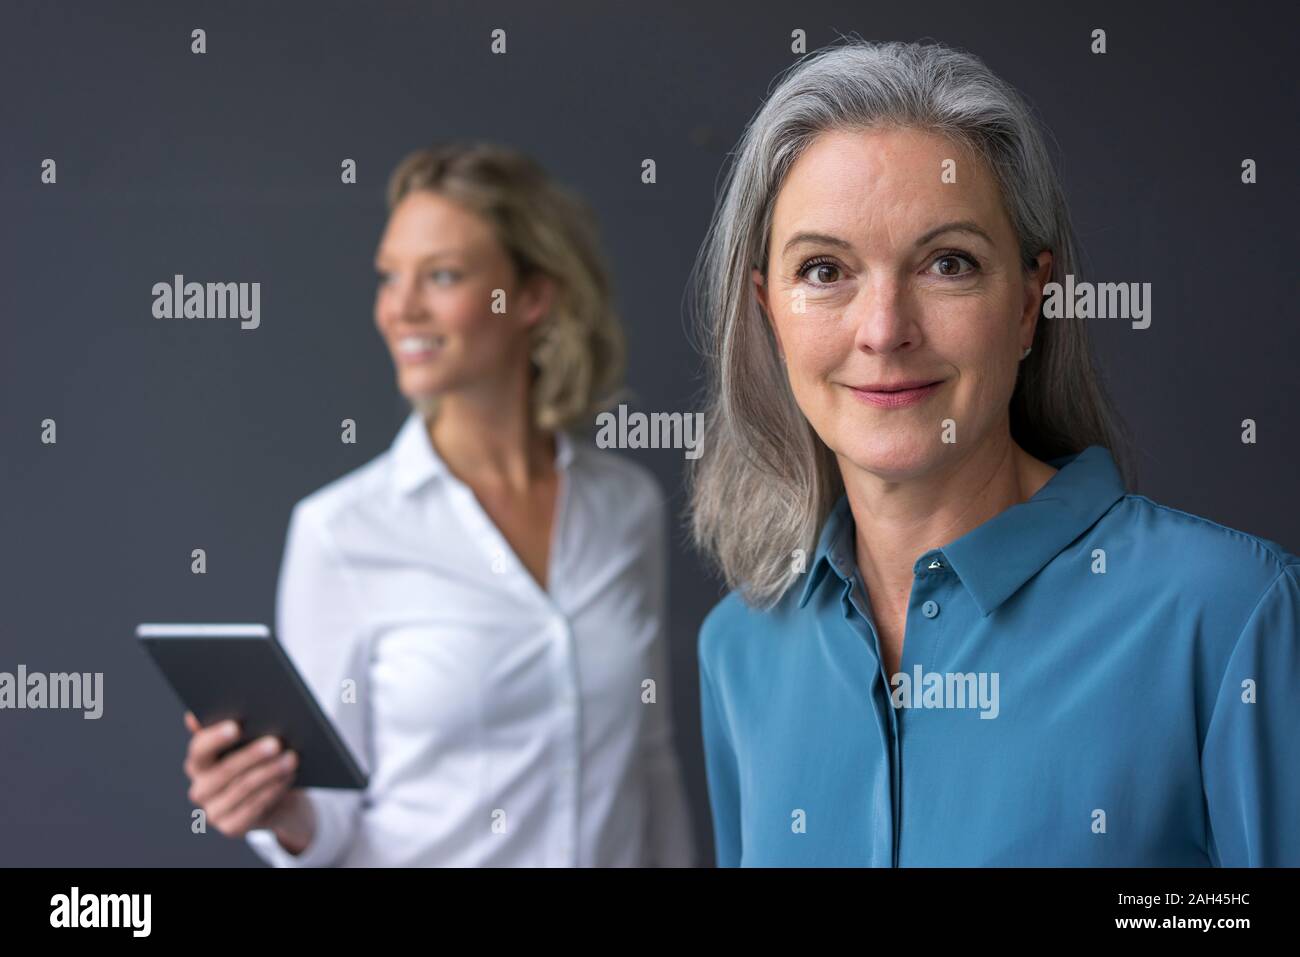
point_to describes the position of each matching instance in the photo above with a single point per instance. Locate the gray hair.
(768, 481)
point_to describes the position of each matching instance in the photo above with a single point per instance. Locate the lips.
(418, 348)
(897, 395)
(902, 386)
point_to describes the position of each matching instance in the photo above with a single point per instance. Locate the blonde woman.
(481, 608)
(954, 637)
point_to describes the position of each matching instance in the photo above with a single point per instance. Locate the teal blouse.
(1088, 678)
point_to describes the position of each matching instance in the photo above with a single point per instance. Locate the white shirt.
(501, 724)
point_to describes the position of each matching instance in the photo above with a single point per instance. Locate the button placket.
(920, 643)
(568, 740)
(858, 615)
(930, 582)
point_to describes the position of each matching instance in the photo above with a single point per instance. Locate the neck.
(488, 436)
(897, 521)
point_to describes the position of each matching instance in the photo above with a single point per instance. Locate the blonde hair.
(577, 351)
(769, 482)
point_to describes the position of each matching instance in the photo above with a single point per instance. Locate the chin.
(417, 384)
(895, 457)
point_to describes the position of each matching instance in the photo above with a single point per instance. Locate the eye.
(950, 264)
(383, 278)
(825, 270)
(444, 277)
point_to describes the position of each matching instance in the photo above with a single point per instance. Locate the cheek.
(479, 337)
(986, 375)
(453, 310)
(468, 309)
(465, 317)
(813, 350)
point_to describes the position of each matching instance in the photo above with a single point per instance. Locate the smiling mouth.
(419, 348)
(898, 395)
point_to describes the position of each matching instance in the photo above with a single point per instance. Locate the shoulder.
(347, 502)
(1200, 545)
(1224, 571)
(724, 620)
(735, 633)
(617, 483)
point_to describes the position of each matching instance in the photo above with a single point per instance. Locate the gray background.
(176, 435)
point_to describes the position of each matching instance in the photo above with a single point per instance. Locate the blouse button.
(930, 609)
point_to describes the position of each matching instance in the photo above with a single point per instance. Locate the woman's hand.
(249, 788)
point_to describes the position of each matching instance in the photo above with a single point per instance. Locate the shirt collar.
(833, 548)
(416, 461)
(996, 558)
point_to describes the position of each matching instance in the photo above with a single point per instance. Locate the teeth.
(419, 343)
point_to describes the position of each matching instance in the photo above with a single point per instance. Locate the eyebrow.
(959, 226)
(806, 237)
(441, 254)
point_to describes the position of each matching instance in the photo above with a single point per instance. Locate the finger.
(228, 805)
(208, 742)
(191, 722)
(237, 789)
(252, 811)
(215, 778)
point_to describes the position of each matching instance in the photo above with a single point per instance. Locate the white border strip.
(201, 631)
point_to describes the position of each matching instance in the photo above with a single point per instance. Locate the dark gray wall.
(226, 167)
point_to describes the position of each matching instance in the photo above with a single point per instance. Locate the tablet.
(241, 672)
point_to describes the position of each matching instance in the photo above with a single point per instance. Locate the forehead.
(855, 180)
(426, 218)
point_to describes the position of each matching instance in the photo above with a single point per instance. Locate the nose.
(883, 317)
(403, 301)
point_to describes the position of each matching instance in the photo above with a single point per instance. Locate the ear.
(764, 306)
(1035, 279)
(537, 295)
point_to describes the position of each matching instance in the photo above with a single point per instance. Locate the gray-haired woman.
(902, 446)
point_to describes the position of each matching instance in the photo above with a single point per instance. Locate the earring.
(1025, 355)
